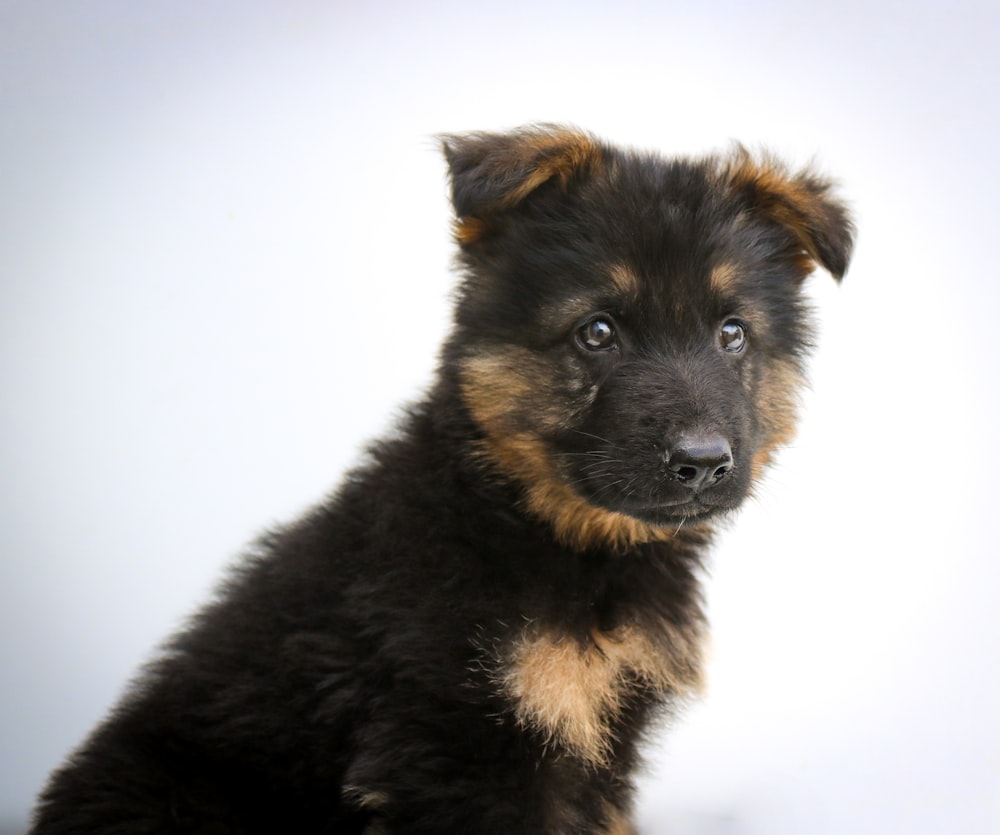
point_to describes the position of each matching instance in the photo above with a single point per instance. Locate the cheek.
(520, 400)
(778, 389)
(520, 391)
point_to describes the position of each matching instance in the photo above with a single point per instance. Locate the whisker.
(592, 435)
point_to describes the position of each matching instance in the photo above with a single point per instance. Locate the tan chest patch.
(573, 692)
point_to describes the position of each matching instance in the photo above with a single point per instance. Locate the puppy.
(473, 633)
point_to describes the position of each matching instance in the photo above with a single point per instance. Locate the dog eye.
(598, 334)
(733, 336)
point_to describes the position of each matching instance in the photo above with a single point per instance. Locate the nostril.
(721, 471)
(685, 473)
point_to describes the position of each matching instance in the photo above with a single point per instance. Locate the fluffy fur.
(472, 634)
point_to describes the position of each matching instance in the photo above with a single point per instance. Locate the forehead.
(673, 291)
(672, 218)
(620, 250)
(663, 241)
(657, 216)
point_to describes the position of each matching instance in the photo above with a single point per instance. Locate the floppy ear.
(493, 172)
(804, 205)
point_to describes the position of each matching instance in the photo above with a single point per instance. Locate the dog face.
(630, 330)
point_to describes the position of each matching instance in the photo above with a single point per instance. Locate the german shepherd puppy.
(473, 633)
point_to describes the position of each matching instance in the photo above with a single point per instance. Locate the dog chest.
(571, 692)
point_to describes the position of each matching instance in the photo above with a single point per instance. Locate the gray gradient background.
(224, 262)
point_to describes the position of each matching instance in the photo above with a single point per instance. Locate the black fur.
(473, 632)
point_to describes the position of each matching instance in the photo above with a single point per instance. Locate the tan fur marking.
(468, 230)
(778, 409)
(624, 280)
(509, 396)
(581, 525)
(572, 692)
(722, 279)
(502, 389)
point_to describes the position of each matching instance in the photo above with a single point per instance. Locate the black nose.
(699, 461)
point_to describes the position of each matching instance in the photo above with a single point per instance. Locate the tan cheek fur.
(777, 406)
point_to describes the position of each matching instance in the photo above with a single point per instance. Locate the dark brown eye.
(733, 336)
(598, 334)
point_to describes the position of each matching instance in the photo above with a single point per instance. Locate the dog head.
(630, 330)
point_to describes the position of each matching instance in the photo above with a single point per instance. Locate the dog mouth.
(669, 513)
(666, 501)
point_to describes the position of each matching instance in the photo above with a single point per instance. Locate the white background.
(224, 261)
